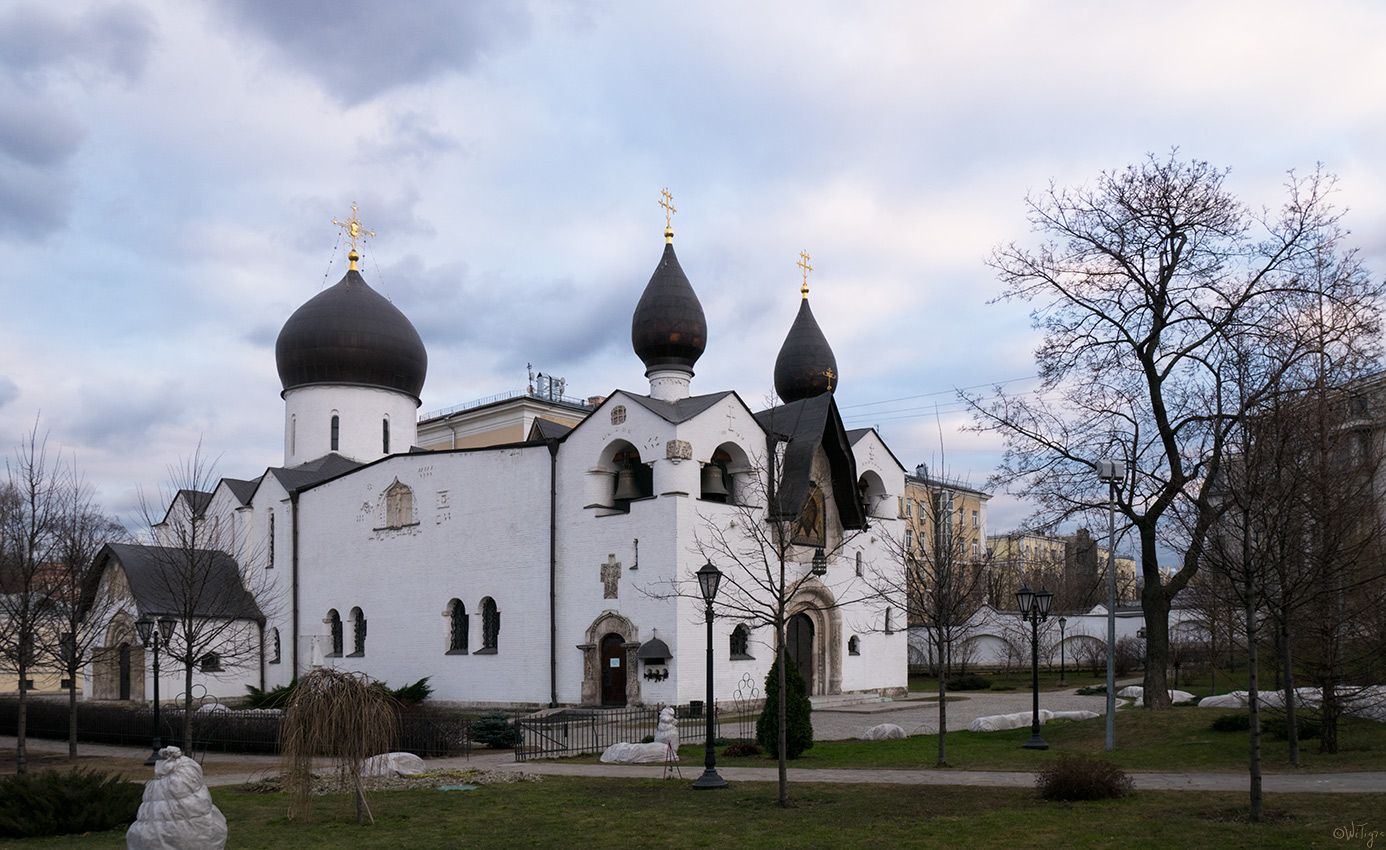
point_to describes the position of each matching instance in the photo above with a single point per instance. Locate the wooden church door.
(613, 670)
(799, 644)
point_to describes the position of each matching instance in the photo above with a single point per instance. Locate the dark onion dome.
(805, 366)
(351, 334)
(668, 329)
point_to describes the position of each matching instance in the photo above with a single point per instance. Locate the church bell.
(626, 485)
(713, 485)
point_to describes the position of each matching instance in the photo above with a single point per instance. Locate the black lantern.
(155, 638)
(820, 562)
(1063, 678)
(709, 577)
(1034, 609)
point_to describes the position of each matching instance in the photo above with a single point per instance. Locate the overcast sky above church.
(169, 172)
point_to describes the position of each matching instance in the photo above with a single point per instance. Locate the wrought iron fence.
(574, 731)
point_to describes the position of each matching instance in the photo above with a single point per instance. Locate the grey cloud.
(410, 135)
(9, 391)
(357, 49)
(33, 202)
(115, 39)
(35, 131)
(124, 417)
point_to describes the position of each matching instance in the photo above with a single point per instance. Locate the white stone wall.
(308, 422)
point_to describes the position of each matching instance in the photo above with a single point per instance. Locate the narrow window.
(334, 622)
(976, 520)
(853, 645)
(358, 632)
(275, 649)
(890, 621)
(741, 643)
(385, 435)
(293, 435)
(859, 565)
(336, 431)
(490, 626)
(457, 627)
(269, 543)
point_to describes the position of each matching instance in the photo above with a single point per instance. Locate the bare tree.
(1148, 284)
(217, 603)
(30, 506)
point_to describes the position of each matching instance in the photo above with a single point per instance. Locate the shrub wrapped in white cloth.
(393, 764)
(177, 812)
(883, 732)
(1021, 719)
(1137, 693)
(624, 753)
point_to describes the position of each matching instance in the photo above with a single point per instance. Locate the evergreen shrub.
(969, 682)
(797, 711)
(1232, 723)
(55, 802)
(495, 730)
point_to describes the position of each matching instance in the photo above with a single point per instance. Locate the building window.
(909, 540)
(457, 627)
(618, 414)
(358, 632)
(336, 431)
(399, 505)
(890, 621)
(385, 435)
(860, 570)
(976, 520)
(293, 435)
(909, 507)
(275, 652)
(210, 663)
(269, 543)
(334, 623)
(490, 627)
(741, 643)
(853, 645)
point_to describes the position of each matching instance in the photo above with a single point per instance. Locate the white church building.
(543, 570)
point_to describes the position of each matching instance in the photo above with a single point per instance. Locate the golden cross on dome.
(831, 376)
(804, 264)
(666, 200)
(355, 232)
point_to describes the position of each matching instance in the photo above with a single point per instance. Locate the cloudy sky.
(169, 171)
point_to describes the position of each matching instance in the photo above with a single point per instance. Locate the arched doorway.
(124, 671)
(799, 646)
(613, 661)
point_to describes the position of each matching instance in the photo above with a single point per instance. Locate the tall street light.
(1111, 471)
(1063, 677)
(154, 639)
(708, 579)
(1034, 609)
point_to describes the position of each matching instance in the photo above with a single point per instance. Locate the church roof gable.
(804, 425)
(158, 577)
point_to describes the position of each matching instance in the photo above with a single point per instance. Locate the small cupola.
(806, 366)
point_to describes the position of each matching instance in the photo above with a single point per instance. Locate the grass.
(1178, 740)
(564, 812)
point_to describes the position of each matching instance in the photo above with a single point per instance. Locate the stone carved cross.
(611, 574)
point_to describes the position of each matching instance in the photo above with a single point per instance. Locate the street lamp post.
(708, 579)
(155, 638)
(1063, 676)
(1111, 471)
(1034, 609)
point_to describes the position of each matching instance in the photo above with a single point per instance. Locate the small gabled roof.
(173, 581)
(545, 429)
(805, 425)
(197, 502)
(242, 490)
(313, 472)
(856, 435)
(679, 411)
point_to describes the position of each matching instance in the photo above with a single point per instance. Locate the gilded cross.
(355, 232)
(831, 376)
(667, 201)
(804, 264)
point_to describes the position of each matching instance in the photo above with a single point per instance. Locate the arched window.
(210, 663)
(890, 621)
(618, 414)
(358, 632)
(334, 624)
(860, 568)
(853, 645)
(399, 505)
(275, 651)
(336, 431)
(457, 627)
(385, 435)
(293, 435)
(741, 643)
(490, 627)
(269, 542)
(634, 479)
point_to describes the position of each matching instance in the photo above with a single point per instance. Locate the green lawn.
(1177, 740)
(592, 813)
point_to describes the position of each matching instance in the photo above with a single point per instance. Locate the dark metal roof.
(242, 490)
(668, 329)
(544, 429)
(653, 648)
(351, 334)
(175, 581)
(197, 501)
(805, 425)
(313, 472)
(681, 410)
(805, 366)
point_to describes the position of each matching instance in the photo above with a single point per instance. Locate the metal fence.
(574, 731)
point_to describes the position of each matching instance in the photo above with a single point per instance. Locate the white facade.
(356, 422)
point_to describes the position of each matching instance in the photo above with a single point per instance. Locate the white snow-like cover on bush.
(1137, 693)
(624, 753)
(393, 764)
(177, 811)
(883, 732)
(1368, 702)
(1021, 719)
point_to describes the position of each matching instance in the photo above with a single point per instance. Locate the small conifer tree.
(797, 710)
